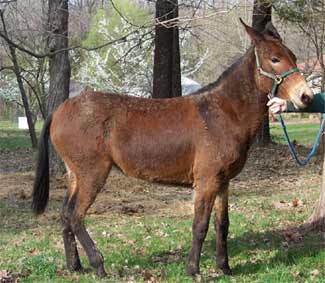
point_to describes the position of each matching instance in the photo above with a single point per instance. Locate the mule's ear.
(270, 30)
(254, 35)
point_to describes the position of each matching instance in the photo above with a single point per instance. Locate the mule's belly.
(158, 174)
(152, 157)
(166, 168)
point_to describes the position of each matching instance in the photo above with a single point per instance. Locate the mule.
(201, 139)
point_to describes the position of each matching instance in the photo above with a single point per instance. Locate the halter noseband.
(277, 78)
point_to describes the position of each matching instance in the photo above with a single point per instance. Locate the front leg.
(203, 204)
(221, 225)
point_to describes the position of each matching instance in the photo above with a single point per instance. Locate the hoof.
(224, 266)
(192, 270)
(77, 267)
(101, 272)
(226, 271)
(80, 269)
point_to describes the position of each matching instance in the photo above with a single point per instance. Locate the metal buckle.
(278, 79)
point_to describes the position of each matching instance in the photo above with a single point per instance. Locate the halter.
(277, 78)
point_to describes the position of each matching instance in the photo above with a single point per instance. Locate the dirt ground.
(267, 169)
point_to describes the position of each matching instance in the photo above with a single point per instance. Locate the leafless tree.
(167, 72)
(17, 71)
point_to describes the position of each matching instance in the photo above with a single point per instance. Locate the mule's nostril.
(306, 99)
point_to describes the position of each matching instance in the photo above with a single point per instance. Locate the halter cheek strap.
(277, 78)
(277, 81)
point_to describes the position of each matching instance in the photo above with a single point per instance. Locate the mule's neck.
(237, 88)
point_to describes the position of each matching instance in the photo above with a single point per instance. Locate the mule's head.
(275, 59)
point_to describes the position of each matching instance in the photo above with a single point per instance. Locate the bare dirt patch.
(20, 160)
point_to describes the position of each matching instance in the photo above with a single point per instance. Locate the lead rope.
(293, 151)
(277, 81)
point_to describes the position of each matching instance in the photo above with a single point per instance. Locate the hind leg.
(83, 202)
(89, 184)
(70, 246)
(71, 252)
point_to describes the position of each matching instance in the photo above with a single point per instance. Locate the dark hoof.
(101, 272)
(226, 271)
(192, 270)
(76, 268)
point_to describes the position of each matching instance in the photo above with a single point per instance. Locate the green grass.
(304, 133)
(13, 138)
(137, 248)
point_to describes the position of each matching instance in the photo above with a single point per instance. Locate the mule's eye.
(275, 60)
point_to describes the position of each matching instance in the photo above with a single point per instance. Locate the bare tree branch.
(179, 21)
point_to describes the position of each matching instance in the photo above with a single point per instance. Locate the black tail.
(42, 176)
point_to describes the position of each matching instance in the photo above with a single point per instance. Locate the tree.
(262, 14)
(59, 64)
(308, 15)
(17, 71)
(167, 72)
(23, 37)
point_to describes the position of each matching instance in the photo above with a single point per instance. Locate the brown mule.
(201, 139)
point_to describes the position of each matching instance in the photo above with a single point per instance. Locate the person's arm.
(317, 106)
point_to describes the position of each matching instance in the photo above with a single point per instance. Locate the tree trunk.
(317, 219)
(30, 122)
(20, 83)
(59, 65)
(167, 71)
(262, 14)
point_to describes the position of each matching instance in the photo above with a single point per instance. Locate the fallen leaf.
(34, 252)
(295, 203)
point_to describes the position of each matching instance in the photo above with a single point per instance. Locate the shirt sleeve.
(317, 106)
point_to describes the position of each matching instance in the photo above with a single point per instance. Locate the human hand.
(277, 105)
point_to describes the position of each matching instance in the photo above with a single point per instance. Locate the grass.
(11, 137)
(302, 133)
(153, 247)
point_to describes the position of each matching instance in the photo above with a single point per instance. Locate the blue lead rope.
(277, 80)
(293, 152)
